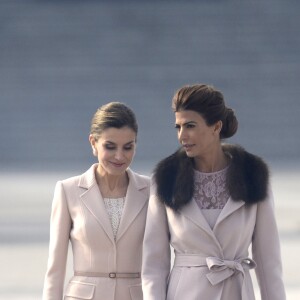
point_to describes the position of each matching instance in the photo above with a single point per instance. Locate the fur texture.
(247, 180)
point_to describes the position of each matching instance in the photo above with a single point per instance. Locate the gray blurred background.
(60, 60)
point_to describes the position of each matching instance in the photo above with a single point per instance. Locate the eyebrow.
(113, 143)
(186, 123)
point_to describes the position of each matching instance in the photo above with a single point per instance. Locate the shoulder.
(140, 181)
(248, 175)
(138, 176)
(142, 178)
(73, 180)
(174, 179)
(84, 180)
(168, 167)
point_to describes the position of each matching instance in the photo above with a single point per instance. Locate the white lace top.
(114, 208)
(210, 190)
(211, 194)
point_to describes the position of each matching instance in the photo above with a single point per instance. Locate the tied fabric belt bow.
(221, 269)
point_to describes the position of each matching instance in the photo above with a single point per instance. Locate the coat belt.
(108, 275)
(220, 269)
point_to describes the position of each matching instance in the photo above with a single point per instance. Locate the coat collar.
(88, 179)
(135, 200)
(247, 178)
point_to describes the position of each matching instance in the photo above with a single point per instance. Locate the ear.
(92, 140)
(218, 127)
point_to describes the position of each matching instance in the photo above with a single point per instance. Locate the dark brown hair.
(209, 103)
(113, 114)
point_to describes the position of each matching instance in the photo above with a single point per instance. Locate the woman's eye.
(127, 148)
(109, 147)
(190, 126)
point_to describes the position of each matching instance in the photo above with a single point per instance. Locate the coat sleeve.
(60, 226)
(266, 252)
(156, 250)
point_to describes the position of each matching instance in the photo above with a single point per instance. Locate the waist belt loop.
(108, 275)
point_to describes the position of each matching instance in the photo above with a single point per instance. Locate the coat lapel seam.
(134, 202)
(230, 207)
(99, 213)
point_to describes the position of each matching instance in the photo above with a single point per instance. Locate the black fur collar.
(247, 180)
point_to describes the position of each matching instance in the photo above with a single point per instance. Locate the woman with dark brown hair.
(210, 201)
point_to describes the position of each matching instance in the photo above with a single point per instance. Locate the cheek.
(130, 155)
(103, 154)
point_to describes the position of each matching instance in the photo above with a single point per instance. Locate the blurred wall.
(61, 60)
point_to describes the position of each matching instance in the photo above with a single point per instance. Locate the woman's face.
(197, 138)
(115, 149)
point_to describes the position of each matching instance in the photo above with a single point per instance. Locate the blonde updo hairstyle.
(112, 115)
(209, 103)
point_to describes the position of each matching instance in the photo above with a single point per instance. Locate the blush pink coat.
(79, 216)
(211, 264)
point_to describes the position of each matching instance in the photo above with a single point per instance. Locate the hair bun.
(230, 124)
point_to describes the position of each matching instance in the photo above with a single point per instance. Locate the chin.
(116, 172)
(190, 154)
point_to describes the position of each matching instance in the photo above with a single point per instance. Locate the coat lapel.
(135, 200)
(92, 199)
(229, 208)
(193, 212)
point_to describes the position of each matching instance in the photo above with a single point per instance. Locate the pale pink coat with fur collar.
(237, 227)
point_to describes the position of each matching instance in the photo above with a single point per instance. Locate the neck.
(212, 162)
(112, 185)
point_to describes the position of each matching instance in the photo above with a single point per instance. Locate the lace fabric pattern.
(114, 208)
(210, 191)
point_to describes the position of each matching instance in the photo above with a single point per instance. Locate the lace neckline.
(210, 190)
(199, 173)
(114, 208)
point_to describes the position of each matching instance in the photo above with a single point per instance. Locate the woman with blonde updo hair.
(102, 213)
(210, 201)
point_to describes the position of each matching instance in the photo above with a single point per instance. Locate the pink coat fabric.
(224, 249)
(79, 216)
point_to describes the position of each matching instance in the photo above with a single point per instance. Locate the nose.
(181, 134)
(119, 154)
